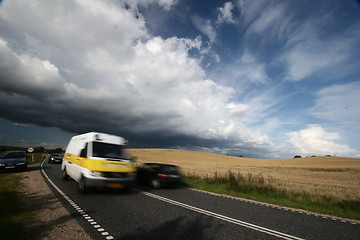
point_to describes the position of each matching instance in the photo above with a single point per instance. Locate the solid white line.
(222, 217)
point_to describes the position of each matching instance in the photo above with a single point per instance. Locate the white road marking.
(278, 207)
(222, 217)
(77, 208)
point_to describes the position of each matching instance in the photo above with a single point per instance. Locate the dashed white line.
(77, 208)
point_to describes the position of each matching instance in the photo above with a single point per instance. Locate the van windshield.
(107, 150)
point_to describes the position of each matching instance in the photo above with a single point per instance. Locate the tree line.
(36, 149)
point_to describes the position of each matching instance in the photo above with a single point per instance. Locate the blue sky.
(266, 79)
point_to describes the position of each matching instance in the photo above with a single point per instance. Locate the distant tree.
(11, 148)
(59, 150)
(39, 149)
(297, 156)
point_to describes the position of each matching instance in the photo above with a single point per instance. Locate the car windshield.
(56, 155)
(10, 155)
(107, 150)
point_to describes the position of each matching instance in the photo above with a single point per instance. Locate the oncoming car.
(14, 160)
(159, 174)
(55, 158)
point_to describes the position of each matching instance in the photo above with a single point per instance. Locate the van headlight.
(96, 174)
(2, 165)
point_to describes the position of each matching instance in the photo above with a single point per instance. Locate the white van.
(98, 160)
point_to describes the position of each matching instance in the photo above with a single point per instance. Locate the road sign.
(30, 149)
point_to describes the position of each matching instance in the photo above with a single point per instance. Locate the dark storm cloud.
(97, 68)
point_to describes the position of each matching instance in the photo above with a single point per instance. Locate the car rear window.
(169, 169)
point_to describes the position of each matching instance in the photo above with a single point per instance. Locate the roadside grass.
(258, 188)
(34, 158)
(13, 215)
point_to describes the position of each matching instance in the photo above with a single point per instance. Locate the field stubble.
(329, 176)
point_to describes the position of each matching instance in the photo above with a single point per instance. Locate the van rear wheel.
(155, 183)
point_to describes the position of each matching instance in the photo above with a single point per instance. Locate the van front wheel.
(81, 185)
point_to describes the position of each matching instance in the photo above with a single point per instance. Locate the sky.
(263, 79)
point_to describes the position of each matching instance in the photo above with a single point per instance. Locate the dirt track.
(51, 221)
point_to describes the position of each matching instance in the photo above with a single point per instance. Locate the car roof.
(15, 151)
(160, 164)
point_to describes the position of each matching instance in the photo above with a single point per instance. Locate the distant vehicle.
(14, 160)
(158, 174)
(98, 160)
(55, 158)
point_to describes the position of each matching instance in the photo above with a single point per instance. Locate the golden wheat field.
(334, 176)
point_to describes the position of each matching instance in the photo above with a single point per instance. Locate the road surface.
(183, 213)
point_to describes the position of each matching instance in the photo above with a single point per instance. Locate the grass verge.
(260, 189)
(12, 215)
(34, 158)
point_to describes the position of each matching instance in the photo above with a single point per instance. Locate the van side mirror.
(83, 153)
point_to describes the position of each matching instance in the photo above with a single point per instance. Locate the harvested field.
(334, 176)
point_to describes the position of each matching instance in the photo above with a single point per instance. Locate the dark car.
(55, 158)
(158, 174)
(14, 160)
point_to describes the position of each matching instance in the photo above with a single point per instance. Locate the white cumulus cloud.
(314, 140)
(226, 14)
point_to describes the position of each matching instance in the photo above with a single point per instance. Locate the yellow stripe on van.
(100, 165)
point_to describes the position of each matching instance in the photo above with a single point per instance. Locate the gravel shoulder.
(50, 220)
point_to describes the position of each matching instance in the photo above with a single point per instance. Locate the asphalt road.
(182, 213)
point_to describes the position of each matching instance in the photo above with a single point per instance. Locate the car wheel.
(65, 176)
(82, 187)
(155, 183)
